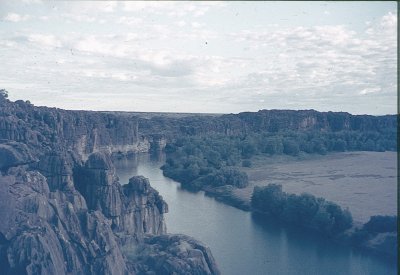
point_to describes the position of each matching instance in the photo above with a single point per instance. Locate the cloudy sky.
(217, 57)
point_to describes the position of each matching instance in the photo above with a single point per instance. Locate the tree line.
(303, 210)
(196, 161)
(199, 161)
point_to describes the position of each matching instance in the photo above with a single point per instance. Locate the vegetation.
(3, 95)
(303, 210)
(199, 162)
(289, 143)
(376, 224)
(381, 224)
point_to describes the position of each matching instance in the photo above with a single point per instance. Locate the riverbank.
(226, 194)
(266, 247)
(345, 178)
(364, 182)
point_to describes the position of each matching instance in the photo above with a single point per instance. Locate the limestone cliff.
(264, 121)
(82, 132)
(85, 132)
(184, 256)
(63, 209)
(135, 208)
(95, 230)
(46, 232)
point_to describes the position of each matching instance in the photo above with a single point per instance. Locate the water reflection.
(243, 243)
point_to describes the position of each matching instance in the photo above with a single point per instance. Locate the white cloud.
(180, 23)
(389, 20)
(159, 48)
(370, 90)
(130, 21)
(322, 61)
(32, 1)
(79, 17)
(172, 8)
(88, 7)
(14, 17)
(197, 25)
(46, 40)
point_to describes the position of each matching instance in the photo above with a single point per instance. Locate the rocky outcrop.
(83, 132)
(174, 254)
(57, 168)
(264, 121)
(135, 208)
(48, 232)
(63, 210)
(54, 232)
(97, 182)
(143, 209)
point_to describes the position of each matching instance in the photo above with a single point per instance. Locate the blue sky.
(216, 57)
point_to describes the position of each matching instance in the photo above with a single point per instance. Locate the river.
(242, 243)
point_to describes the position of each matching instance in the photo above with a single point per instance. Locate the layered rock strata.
(63, 209)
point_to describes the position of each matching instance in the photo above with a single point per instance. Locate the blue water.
(242, 243)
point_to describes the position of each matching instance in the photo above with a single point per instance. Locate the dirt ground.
(365, 182)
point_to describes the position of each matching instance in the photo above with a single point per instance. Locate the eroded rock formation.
(48, 232)
(135, 208)
(63, 209)
(174, 254)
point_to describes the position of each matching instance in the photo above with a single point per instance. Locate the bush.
(290, 147)
(304, 210)
(246, 163)
(381, 224)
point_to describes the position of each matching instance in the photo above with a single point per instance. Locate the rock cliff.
(135, 208)
(46, 232)
(264, 121)
(174, 254)
(64, 231)
(82, 132)
(63, 209)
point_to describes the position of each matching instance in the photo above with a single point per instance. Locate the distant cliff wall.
(82, 132)
(265, 121)
(85, 132)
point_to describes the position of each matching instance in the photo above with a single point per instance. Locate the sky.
(201, 57)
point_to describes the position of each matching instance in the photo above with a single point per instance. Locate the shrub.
(381, 224)
(304, 210)
(246, 163)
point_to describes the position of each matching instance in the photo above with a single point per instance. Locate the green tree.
(290, 147)
(3, 95)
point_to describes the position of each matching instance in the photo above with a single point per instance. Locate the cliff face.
(265, 121)
(46, 232)
(135, 208)
(99, 228)
(82, 132)
(63, 209)
(185, 256)
(143, 209)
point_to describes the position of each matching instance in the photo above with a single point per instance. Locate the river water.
(242, 243)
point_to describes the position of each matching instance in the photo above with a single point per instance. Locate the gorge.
(65, 210)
